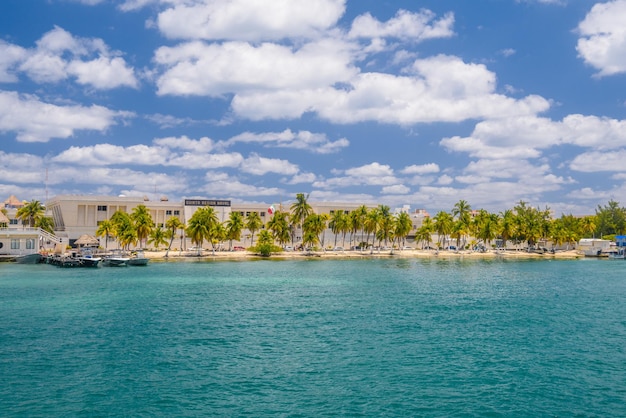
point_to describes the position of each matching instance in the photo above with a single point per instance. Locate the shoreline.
(447, 254)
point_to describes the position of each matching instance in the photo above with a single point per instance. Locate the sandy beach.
(242, 255)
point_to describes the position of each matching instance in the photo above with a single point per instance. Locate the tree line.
(364, 227)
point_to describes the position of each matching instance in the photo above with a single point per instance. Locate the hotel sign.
(205, 202)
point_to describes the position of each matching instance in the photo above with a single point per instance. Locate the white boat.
(618, 254)
(87, 258)
(138, 258)
(115, 259)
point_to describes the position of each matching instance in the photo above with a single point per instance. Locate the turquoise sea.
(374, 337)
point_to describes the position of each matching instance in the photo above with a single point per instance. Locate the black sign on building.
(206, 202)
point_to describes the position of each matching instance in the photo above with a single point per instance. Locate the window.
(247, 213)
(15, 244)
(102, 208)
(168, 212)
(176, 213)
(263, 214)
(13, 221)
(30, 244)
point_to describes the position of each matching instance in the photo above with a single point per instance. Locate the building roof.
(3, 218)
(13, 202)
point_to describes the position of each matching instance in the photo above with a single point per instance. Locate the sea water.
(371, 337)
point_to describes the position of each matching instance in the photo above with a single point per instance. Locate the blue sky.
(418, 103)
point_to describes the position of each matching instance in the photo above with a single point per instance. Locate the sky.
(396, 102)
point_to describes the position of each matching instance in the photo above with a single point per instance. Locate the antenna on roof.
(46, 184)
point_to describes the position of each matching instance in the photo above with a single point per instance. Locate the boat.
(618, 254)
(115, 259)
(74, 259)
(33, 258)
(138, 258)
(87, 258)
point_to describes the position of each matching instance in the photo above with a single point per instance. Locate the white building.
(75, 215)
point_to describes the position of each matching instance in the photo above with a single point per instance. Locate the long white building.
(76, 215)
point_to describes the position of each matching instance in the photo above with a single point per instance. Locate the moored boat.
(33, 258)
(115, 259)
(138, 258)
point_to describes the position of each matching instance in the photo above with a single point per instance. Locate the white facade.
(75, 215)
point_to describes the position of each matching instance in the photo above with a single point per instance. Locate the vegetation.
(33, 215)
(523, 226)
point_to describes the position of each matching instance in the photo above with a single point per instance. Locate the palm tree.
(354, 224)
(385, 224)
(157, 237)
(123, 228)
(507, 226)
(234, 226)
(30, 212)
(488, 226)
(46, 223)
(461, 212)
(315, 224)
(142, 221)
(443, 226)
(201, 226)
(279, 226)
(588, 226)
(359, 222)
(338, 221)
(105, 229)
(253, 224)
(403, 226)
(300, 210)
(424, 232)
(370, 225)
(172, 224)
(217, 235)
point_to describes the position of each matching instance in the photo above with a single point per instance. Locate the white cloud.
(304, 140)
(10, 56)
(405, 25)
(421, 169)
(59, 55)
(603, 37)
(526, 136)
(302, 178)
(370, 170)
(249, 20)
(374, 174)
(443, 88)
(221, 184)
(193, 160)
(131, 5)
(594, 161)
(259, 166)
(29, 167)
(214, 70)
(103, 73)
(395, 189)
(37, 121)
(202, 145)
(107, 154)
